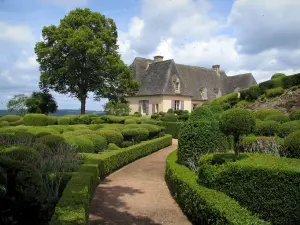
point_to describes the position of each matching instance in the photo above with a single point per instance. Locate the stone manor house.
(166, 84)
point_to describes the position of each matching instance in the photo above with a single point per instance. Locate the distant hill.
(60, 112)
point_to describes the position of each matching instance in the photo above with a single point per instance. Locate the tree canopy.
(17, 103)
(80, 56)
(41, 102)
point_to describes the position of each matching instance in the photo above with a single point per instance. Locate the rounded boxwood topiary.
(84, 119)
(197, 138)
(112, 146)
(237, 122)
(287, 128)
(112, 136)
(135, 135)
(280, 118)
(130, 121)
(155, 116)
(99, 142)
(22, 153)
(154, 130)
(23, 137)
(295, 115)
(52, 120)
(292, 145)
(267, 128)
(17, 123)
(201, 113)
(42, 134)
(97, 121)
(53, 141)
(10, 118)
(170, 111)
(64, 120)
(170, 117)
(126, 144)
(216, 109)
(261, 114)
(278, 75)
(43, 149)
(35, 120)
(80, 144)
(79, 132)
(4, 123)
(274, 92)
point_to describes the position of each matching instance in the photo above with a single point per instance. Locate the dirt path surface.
(137, 194)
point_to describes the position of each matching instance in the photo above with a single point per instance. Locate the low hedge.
(112, 136)
(295, 115)
(52, 120)
(10, 118)
(64, 120)
(292, 145)
(261, 114)
(173, 128)
(203, 205)
(17, 123)
(267, 128)
(73, 206)
(286, 128)
(274, 92)
(280, 118)
(265, 184)
(35, 119)
(136, 135)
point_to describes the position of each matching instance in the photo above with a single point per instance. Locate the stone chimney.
(158, 58)
(216, 68)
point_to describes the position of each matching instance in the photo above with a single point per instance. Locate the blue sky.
(258, 36)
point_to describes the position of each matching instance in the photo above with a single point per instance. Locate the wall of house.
(197, 102)
(167, 102)
(134, 102)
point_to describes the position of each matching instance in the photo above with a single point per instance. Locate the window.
(195, 106)
(177, 86)
(176, 105)
(144, 107)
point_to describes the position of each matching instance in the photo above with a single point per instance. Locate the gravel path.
(137, 194)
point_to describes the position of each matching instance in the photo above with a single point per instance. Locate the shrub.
(286, 128)
(216, 109)
(183, 117)
(155, 116)
(52, 120)
(64, 120)
(4, 123)
(97, 121)
(99, 142)
(265, 85)
(265, 184)
(130, 121)
(261, 114)
(227, 101)
(251, 93)
(278, 75)
(153, 122)
(162, 113)
(42, 148)
(197, 138)
(295, 115)
(112, 136)
(84, 119)
(201, 113)
(17, 137)
(135, 135)
(114, 119)
(203, 205)
(290, 81)
(280, 118)
(173, 128)
(79, 132)
(35, 120)
(112, 146)
(80, 143)
(154, 130)
(170, 117)
(170, 111)
(274, 92)
(52, 141)
(292, 145)
(127, 144)
(10, 118)
(137, 114)
(16, 123)
(267, 128)
(237, 122)
(22, 153)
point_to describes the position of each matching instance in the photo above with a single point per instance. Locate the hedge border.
(73, 206)
(173, 128)
(203, 205)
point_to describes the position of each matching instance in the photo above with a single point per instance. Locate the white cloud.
(21, 34)
(136, 27)
(29, 63)
(67, 3)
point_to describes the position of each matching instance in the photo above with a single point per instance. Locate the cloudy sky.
(258, 36)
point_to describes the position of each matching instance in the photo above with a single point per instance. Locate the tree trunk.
(83, 102)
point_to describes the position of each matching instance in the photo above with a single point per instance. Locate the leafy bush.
(117, 108)
(137, 114)
(216, 109)
(79, 132)
(265, 184)
(42, 148)
(64, 120)
(295, 115)
(251, 93)
(170, 111)
(127, 144)
(292, 145)
(197, 138)
(227, 101)
(173, 128)
(99, 142)
(52, 141)
(274, 92)
(52, 120)
(112, 146)
(135, 135)
(201, 113)
(203, 205)
(17, 123)
(278, 75)
(261, 114)
(286, 128)
(267, 128)
(265, 85)
(130, 121)
(10, 118)
(183, 117)
(153, 122)
(280, 118)
(154, 130)
(80, 143)
(97, 121)
(84, 119)
(170, 117)
(155, 116)
(4, 123)
(112, 136)
(290, 81)
(35, 120)
(162, 113)
(22, 153)
(114, 119)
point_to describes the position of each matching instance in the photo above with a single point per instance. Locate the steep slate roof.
(156, 79)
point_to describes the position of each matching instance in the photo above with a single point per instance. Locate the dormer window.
(176, 84)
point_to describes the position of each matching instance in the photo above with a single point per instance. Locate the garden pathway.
(137, 194)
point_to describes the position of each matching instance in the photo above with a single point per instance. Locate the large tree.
(41, 102)
(18, 103)
(80, 56)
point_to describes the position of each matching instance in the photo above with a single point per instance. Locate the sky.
(257, 36)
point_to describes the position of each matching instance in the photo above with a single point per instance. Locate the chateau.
(166, 84)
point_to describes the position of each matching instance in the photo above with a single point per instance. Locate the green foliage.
(290, 81)
(22, 153)
(52, 141)
(153, 122)
(135, 135)
(97, 67)
(17, 123)
(170, 111)
(170, 117)
(265, 184)
(251, 93)
(267, 128)
(265, 85)
(10, 118)
(216, 109)
(184, 117)
(173, 128)
(155, 116)
(4, 124)
(292, 145)
(99, 142)
(52, 120)
(112, 136)
(203, 205)
(154, 130)
(80, 143)
(280, 118)
(227, 101)
(98, 121)
(35, 120)
(197, 138)
(261, 114)
(201, 113)
(114, 119)
(289, 127)
(130, 121)
(278, 75)
(112, 146)
(274, 92)
(42, 148)
(126, 144)
(41, 102)
(117, 108)
(64, 120)
(295, 115)
(137, 114)
(84, 119)
(17, 103)
(237, 122)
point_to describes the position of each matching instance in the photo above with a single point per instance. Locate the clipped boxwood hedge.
(173, 128)
(274, 92)
(112, 136)
(292, 145)
(295, 115)
(267, 128)
(10, 118)
(64, 120)
(73, 206)
(265, 184)
(203, 205)
(33, 119)
(261, 114)
(286, 128)
(280, 118)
